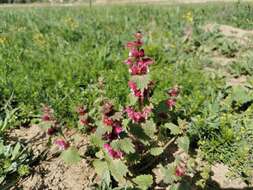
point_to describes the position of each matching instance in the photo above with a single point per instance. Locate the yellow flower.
(2, 40)
(188, 17)
(39, 39)
(71, 23)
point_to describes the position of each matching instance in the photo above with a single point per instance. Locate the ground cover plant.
(57, 58)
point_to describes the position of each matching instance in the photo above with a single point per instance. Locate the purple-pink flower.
(174, 92)
(138, 63)
(51, 131)
(62, 144)
(138, 117)
(107, 121)
(117, 154)
(46, 117)
(81, 110)
(171, 103)
(114, 134)
(180, 171)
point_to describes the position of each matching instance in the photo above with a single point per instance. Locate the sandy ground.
(120, 2)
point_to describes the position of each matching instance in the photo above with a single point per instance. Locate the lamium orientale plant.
(134, 144)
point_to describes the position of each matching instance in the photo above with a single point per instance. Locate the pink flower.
(139, 69)
(180, 171)
(128, 61)
(110, 136)
(62, 144)
(107, 121)
(141, 53)
(171, 103)
(134, 53)
(46, 117)
(138, 93)
(81, 110)
(147, 61)
(174, 92)
(134, 44)
(138, 117)
(132, 85)
(83, 121)
(134, 90)
(117, 128)
(51, 131)
(107, 147)
(113, 153)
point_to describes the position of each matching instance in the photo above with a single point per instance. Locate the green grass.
(53, 55)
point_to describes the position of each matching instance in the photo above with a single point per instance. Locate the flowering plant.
(134, 143)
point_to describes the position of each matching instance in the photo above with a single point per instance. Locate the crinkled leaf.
(168, 173)
(141, 81)
(70, 156)
(118, 170)
(156, 151)
(240, 94)
(96, 140)
(143, 181)
(132, 99)
(183, 143)
(139, 133)
(149, 128)
(100, 166)
(174, 129)
(125, 145)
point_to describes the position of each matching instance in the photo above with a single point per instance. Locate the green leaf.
(100, 166)
(102, 169)
(149, 128)
(240, 94)
(132, 99)
(156, 151)
(183, 143)
(16, 151)
(141, 81)
(169, 173)
(144, 181)
(70, 156)
(118, 170)
(174, 129)
(96, 140)
(125, 145)
(139, 133)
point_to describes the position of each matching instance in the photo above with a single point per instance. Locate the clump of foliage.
(132, 144)
(14, 156)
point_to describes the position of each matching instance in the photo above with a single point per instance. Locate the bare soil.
(50, 172)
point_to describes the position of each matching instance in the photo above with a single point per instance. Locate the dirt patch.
(50, 172)
(241, 36)
(56, 175)
(239, 81)
(220, 173)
